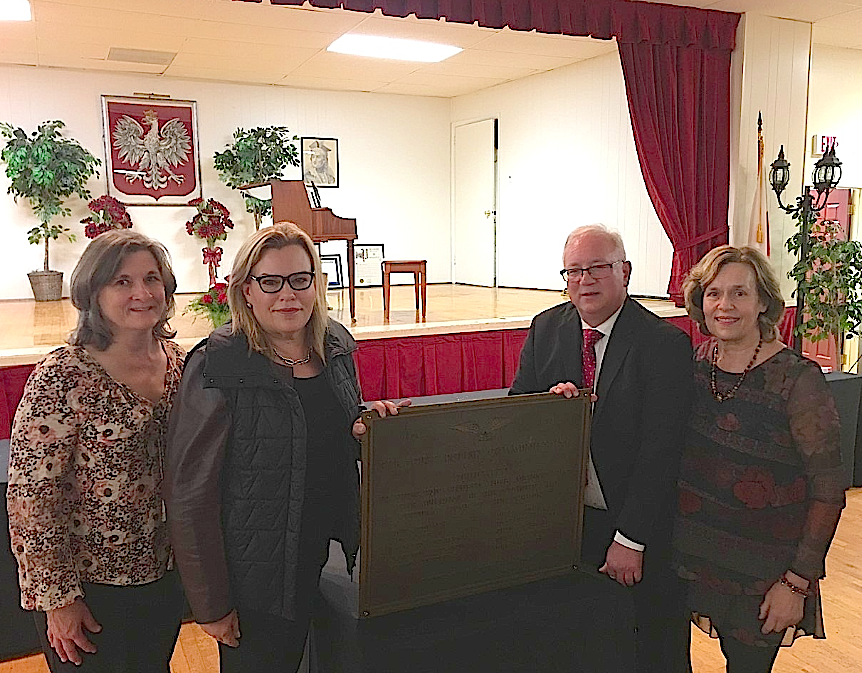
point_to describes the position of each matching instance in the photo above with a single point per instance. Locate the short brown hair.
(98, 265)
(705, 271)
(279, 235)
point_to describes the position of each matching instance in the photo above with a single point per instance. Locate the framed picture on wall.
(320, 161)
(331, 265)
(151, 150)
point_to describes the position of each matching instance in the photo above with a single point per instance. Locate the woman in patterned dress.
(761, 482)
(86, 518)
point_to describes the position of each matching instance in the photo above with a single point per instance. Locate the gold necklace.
(293, 363)
(730, 394)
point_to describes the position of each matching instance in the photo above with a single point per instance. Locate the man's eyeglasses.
(596, 271)
(272, 283)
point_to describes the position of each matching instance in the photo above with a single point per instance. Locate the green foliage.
(257, 155)
(45, 168)
(830, 281)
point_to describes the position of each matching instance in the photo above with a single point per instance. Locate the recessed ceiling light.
(15, 10)
(392, 48)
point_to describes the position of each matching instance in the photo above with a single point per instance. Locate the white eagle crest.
(152, 153)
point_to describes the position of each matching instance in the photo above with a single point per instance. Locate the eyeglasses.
(596, 271)
(272, 283)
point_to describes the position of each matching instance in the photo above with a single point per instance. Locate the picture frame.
(133, 176)
(368, 261)
(331, 265)
(320, 161)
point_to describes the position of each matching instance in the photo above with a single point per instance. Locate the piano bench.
(414, 266)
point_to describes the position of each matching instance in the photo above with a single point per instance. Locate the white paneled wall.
(773, 57)
(836, 107)
(567, 158)
(394, 160)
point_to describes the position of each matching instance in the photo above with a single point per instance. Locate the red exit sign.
(820, 143)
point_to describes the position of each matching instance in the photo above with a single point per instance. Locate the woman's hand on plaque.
(383, 408)
(569, 389)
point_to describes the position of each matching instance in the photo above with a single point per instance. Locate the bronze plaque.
(466, 497)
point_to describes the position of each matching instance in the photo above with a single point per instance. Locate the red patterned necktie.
(588, 356)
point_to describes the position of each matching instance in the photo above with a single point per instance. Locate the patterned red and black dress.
(761, 489)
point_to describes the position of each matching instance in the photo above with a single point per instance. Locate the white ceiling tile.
(332, 84)
(18, 57)
(329, 64)
(411, 28)
(560, 46)
(798, 10)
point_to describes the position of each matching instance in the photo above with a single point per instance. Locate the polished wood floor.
(839, 653)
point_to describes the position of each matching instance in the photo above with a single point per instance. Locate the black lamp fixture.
(826, 175)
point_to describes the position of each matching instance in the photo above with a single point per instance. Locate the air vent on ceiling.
(141, 56)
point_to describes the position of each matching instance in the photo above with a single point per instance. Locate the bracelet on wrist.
(795, 589)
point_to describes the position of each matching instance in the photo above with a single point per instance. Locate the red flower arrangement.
(108, 213)
(213, 305)
(210, 224)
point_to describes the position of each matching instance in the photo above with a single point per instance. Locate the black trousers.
(661, 635)
(140, 625)
(268, 643)
(742, 658)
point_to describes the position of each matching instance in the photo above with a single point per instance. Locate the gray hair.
(97, 267)
(610, 235)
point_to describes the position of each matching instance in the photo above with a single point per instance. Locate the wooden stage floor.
(29, 329)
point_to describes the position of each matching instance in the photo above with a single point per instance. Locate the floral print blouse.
(85, 475)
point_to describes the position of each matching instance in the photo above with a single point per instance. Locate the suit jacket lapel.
(621, 340)
(571, 337)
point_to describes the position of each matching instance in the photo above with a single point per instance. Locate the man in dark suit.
(639, 367)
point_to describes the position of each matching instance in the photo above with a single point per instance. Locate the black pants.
(268, 644)
(742, 658)
(140, 625)
(661, 640)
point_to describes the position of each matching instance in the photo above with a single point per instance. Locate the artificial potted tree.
(256, 156)
(45, 168)
(829, 280)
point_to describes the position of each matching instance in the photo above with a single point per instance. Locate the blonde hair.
(707, 269)
(280, 235)
(98, 265)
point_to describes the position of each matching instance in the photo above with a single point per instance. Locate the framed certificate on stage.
(466, 497)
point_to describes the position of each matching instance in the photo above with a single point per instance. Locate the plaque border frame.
(370, 418)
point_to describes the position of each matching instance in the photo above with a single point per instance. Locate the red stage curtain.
(438, 364)
(676, 65)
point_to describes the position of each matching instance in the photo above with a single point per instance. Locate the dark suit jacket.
(640, 416)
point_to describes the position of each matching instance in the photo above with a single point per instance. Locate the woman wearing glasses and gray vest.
(261, 464)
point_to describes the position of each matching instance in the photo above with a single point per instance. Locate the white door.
(474, 239)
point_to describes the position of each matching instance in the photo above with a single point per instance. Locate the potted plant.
(46, 168)
(212, 304)
(107, 213)
(257, 156)
(211, 224)
(829, 280)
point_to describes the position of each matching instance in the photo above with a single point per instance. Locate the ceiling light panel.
(392, 48)
(15, 10)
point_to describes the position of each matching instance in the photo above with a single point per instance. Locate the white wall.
(567, 158)
(770, 73)
(835, 107)
(394, 165)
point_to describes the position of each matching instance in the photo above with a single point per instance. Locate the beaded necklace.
(730, 394)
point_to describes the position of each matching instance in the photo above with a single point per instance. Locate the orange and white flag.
(758, 226)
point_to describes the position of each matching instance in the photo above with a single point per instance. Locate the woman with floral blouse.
(761, 485)
(86, 518)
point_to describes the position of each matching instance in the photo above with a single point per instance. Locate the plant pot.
(46, 285)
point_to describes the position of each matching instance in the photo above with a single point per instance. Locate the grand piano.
(290, 203)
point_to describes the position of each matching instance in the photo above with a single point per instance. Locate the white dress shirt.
(593, 496)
